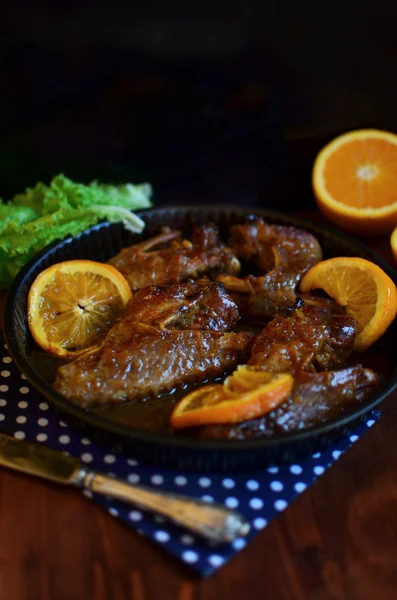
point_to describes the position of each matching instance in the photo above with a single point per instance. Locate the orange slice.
(246, 378)
(218, 404)
(72, 304)
(355, 181)
(366, 291)
(393, 243)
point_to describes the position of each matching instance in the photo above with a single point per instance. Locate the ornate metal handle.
(212, 521)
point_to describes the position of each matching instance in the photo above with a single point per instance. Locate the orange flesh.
(77, 307)
(363, 173)
(72, 304)
(214, 404)
(367, 292)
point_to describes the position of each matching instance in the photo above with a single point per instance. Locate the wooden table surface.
(337, 541)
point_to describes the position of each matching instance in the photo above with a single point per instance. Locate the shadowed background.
(211, 102)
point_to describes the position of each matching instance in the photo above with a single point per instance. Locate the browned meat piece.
(175, 259)
(316, 398)
(145, 354)
(275, 246)
(207, 306)
(200, 304)
(316, 334)
(284, 253)
(141, 361)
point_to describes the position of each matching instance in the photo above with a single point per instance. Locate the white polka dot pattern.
(204, 482)
(180, 480)
(231, 502)
(216, 561)
(133, 478)
(318, 470)
(87, 457)
(259, 523)
(109, 459)
(239, 544)
(256, 503)
(259, 495)
(252, 485)
(228, 483)
(280, 504)
(295, 469)
(190, 556)
(162, 536)
(135, 515)
(273, 470)
(207, 498)
(157, 479)
(299, 487)
(276, 486)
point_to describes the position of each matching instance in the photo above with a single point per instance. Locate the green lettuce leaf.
(15, 215)
(44, 214)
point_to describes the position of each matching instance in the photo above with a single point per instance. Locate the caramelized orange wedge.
(366, 291)
(71, 305)
(246, 394)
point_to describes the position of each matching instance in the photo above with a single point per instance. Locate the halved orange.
(355, 181)
(367, 292)
(72, 304)
(218, 404)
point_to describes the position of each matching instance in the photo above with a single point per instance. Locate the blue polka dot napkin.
(258, 495)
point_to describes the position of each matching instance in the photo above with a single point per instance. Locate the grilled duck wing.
(146, 361)
(148, 352)
(282, 253)
(168, 258)
(314, 335)
(316, 398)
(200, 304)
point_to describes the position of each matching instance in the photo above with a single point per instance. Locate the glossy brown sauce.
(153, 414)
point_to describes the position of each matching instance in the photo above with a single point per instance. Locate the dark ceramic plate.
(156, 445)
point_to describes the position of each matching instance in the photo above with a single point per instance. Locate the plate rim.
(141, 435)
